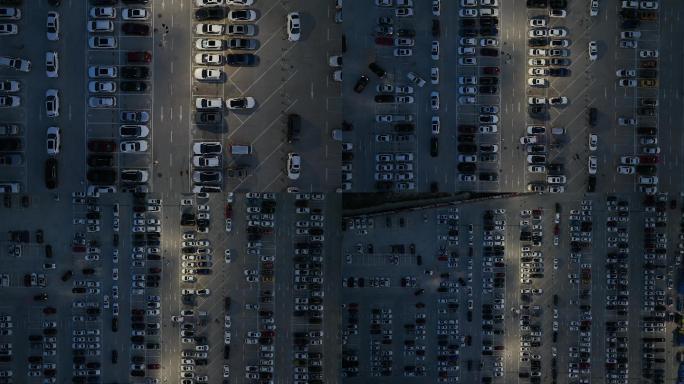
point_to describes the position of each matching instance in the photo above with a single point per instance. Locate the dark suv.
(378, 70)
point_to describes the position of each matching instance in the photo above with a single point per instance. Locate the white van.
(241, 149)
(100, 26)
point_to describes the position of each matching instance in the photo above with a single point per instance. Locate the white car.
(625, 73)
(648, 5)
(51, 64)
(403, 12)
(593, 50)
(403, 52)
(538, 62)
(536, 100)
(209, 29)
(536, 168)
(9, 85)
(53, 26)
(208, 103)
(294, 163)
(240, 3)
(240, 103)
(466, 50)
(102, 42)
(208, 59)
(101, 87)
(646, 53)
(538, 71)
(210, 44)
(100, 26)
(489, 43)
(537, 52)
(52, 143)
(208, 3)
(468, 12)
(8, 29)
(52, 103)
(556, 179)
(626, 170)
(593, 165)
(539, 21)
(434, 50)
(434, 100)
(467, 61)
(103, 12)
(293, 26)
(558, 32)
(434, 75)
(627, 83)
(528, 140)
(102, 102)
(593, 142)
(135, 14)
(468, 41)
(467, 90)
(629, 160)
(208, 74)
(206, 161)
(97, 71)
(134, 146)
(562, 100)
(487, 128)
(537, 82)
(242, 15)
(415, 79)
(540, 32)
(435, 124)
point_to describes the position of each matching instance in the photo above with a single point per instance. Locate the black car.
(133, 86)
(466, 138)
(211, 13)
(468, 168)
(135, 72)
(488, 90)
(100, 161)
(630, 24)
(378, 70)
(406, 33)
(558, 4)
(51, 176)
(488, 157)
(646, 131)
(489, 32)
(488, 176)
(493, 52)
(467, 32)
(538, 42)
(361, 84)
(537, 111)
(241, 59)
(206, 117)
(435, 28)
(593, 116)
(559, 72)
(469, 22)
(555, 167)
(385, 98)
(467, 149)
(434, 146)
(560, 62)
(537, 3)
(135, 29)
(646, 111)
(467, 128)
(101, 176)
(648, 73)
(489, 80)
(10, 144)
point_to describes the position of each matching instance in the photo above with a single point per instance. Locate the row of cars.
(308, 297)
(478, 89)
(11, 143)
(643, 164)
(196, 261)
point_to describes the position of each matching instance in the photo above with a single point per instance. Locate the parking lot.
(552, 118)
(511, 289)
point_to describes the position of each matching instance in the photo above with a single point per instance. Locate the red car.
(153, 366)
(229, 211)
(155, 270)
(384, 40)
(101, 146)
(490, 70)
(78, 248)
(139, 57)
(49, 310)
(648, 159)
